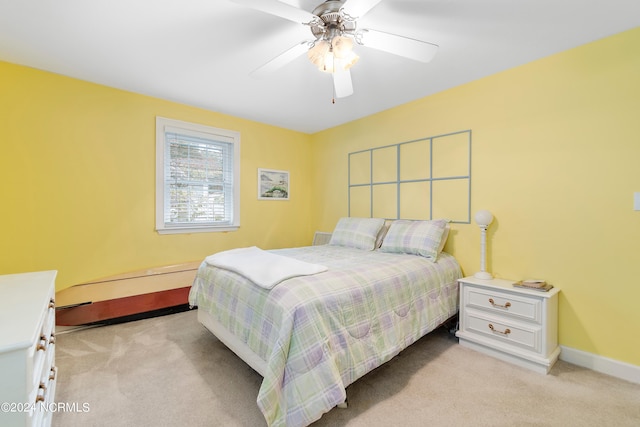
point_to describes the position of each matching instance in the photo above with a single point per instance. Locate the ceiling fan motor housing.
(333, 22)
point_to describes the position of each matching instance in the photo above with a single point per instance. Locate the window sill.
(190, 230)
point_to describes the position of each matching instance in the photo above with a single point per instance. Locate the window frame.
(203, 131)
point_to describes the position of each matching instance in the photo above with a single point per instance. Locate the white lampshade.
(349, 60)
(333, 57)
(341, 46)
(317, 53)
(484, 218)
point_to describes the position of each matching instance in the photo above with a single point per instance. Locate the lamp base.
(483, 275)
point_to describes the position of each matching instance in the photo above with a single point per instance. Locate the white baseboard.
(604, 365)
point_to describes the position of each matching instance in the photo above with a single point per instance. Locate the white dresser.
(27, 350)
(513, 324)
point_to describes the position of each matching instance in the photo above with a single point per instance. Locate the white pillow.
(359, 233)
(445, 235)
(422, 238)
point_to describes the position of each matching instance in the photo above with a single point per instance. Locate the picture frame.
(273, 184)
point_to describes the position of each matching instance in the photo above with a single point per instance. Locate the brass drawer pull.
(505, 332)
(52, 303)
(493, 303)
(40, 395)
(42, 344)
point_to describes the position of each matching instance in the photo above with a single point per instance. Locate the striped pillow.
(359, 233)
(415, 237)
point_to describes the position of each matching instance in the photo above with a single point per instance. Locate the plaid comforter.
(320, 333)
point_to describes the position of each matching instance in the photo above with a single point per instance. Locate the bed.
(364, 299)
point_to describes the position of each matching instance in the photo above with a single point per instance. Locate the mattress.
(317, 334)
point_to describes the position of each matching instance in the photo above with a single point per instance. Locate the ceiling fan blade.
(399, 45)
(358, 8)
(342, 84)
(277, 8)
(281, 60)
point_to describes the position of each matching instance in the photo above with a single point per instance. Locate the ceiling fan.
(334, 29)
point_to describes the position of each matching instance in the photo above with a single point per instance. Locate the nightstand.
(512, 324)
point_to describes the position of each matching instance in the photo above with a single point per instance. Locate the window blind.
(198, 179)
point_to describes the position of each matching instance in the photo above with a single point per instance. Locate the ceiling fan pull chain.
(333, 93)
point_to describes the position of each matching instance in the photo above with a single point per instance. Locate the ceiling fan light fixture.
(335, 56)
(329, 63)
(332, 64)
(341, 46)
(349, 60)
(318, 53)
(334, 27)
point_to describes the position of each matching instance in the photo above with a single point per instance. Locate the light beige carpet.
(170, 371)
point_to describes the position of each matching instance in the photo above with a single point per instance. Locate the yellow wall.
(555, 151)
(77, 174)
(556, 146)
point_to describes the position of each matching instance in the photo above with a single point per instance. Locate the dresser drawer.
(504, 331)
(43, 352)
(27, 346)
(504, 303)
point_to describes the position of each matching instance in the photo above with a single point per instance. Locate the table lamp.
(483, 219)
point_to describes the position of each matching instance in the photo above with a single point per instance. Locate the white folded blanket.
(263, 268)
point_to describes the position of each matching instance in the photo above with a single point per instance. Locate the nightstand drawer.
(504, 303)
(501, 330)
(513, 324)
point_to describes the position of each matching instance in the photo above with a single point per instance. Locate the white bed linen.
(265, 269)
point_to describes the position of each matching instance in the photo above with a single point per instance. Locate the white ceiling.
(200, 52)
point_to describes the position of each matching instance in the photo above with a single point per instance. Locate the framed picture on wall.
(273, 184)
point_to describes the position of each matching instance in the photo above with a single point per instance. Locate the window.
(197, 178)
